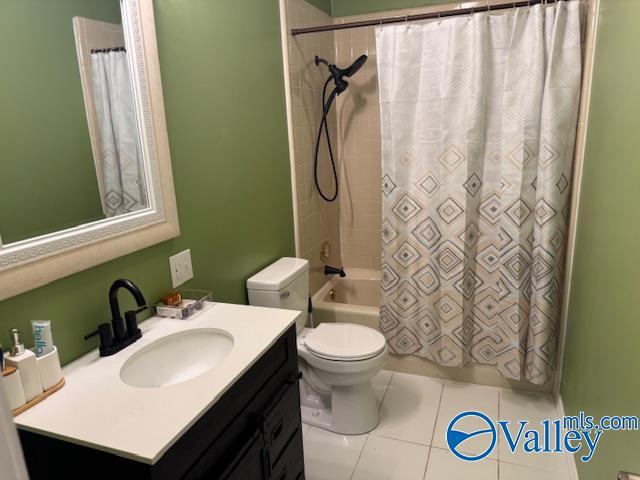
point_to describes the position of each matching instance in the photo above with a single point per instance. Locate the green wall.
(601, 374)
(48, 175)
(341, 8)
(324, 5)
(222, 75)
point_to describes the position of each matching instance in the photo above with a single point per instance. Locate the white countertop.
(96, 409)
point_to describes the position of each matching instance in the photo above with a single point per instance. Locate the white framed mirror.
(86, 169)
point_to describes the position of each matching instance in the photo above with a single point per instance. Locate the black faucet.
(333, 271)
(121, 333)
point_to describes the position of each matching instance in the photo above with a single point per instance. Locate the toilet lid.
(344, 341)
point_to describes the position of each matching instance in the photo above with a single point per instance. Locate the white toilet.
(337, 360)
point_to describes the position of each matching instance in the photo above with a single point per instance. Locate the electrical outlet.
(181, 268)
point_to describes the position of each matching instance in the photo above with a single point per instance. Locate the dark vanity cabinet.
(252, 432)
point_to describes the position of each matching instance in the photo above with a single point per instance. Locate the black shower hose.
(326, 106)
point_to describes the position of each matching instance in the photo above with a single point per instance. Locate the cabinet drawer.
(290, 465)
(281, 422)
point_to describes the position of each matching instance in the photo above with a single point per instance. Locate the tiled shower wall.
(317, 220)
(359, 144)
(352, 224)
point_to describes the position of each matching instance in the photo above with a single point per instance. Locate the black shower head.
(355, 66)
(339, 73)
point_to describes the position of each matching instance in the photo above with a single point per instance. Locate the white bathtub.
(353, 299)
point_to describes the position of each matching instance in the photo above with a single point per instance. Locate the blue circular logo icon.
(457, 437)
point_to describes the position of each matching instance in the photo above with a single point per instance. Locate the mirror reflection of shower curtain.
(122, 171)
(479, 117)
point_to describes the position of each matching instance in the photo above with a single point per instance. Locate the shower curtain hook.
(439, 18)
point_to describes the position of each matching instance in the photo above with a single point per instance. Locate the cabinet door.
(290, 465)
(249, 464)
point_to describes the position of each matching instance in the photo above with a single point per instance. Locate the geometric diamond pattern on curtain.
(122, 171)
(478, 117)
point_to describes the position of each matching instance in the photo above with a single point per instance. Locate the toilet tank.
(283, 284)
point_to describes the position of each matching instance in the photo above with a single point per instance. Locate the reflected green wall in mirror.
(48, 173)
(230, 157)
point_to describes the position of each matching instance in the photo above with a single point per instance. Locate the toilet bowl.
(337, 394)
(337, 360)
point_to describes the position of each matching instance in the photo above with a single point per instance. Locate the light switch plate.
(181, 268)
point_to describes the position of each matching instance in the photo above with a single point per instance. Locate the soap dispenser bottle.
(25, 361)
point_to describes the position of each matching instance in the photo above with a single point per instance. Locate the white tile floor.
(409, 443)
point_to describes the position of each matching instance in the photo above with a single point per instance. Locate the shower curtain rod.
(419, 16)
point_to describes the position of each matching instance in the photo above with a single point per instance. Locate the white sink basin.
(176, 358)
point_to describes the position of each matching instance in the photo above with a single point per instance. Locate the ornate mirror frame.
(34, 262)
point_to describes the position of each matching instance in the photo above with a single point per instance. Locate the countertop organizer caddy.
(31, 375)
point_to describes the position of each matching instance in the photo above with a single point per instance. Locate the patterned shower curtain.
(479, 117)
(122, 172)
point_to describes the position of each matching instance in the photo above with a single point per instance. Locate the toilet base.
(349, 410)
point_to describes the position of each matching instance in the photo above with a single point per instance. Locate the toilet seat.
(344, 342)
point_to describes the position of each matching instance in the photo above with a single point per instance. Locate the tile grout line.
(364, 445)
(484, 459)
(433, 432)
(426, 466)
(386, 389)
(435, 423)
(400, 440)
(535, 468)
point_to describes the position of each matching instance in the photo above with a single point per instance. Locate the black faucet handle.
(106, 335)
(131, 320)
